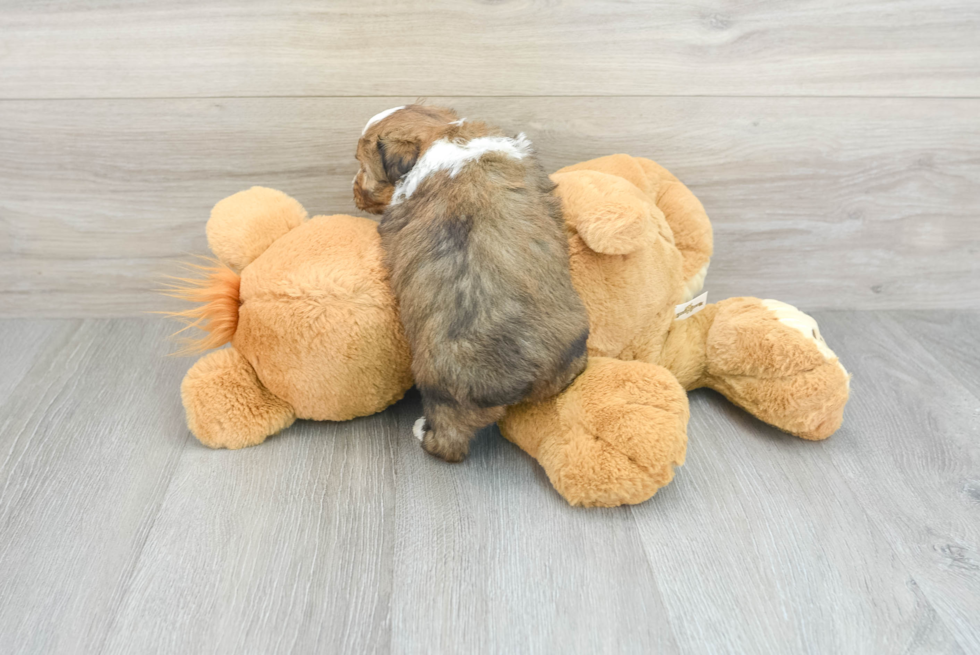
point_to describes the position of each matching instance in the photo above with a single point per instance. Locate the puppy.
(476, 249)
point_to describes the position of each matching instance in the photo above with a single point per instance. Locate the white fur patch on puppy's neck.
(445, 155)
(380, 116)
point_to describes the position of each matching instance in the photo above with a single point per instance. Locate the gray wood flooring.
(120, 533)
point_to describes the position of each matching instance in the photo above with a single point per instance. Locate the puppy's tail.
(214, 289)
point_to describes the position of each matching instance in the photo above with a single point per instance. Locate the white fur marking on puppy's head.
(445, 155)
(380, 116)
(417, 429)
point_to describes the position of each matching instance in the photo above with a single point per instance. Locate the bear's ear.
(243, 225)
(609, 213)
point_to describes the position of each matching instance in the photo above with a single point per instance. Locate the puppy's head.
(390, 145)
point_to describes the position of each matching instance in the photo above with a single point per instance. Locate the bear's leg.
(227, 406)
(611, 438)
(767, 357)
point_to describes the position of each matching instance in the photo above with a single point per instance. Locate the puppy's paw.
(419, 428)
(448, 449)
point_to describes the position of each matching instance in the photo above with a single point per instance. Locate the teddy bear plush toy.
(315, 334)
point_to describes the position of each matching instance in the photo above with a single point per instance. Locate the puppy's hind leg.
(570, 366)
(448, 428)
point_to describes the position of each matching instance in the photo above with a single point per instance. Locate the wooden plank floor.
(119, 533)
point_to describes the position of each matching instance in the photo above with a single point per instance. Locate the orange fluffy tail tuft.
(216, 314)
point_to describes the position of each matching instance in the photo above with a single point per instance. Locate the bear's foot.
(770, 358)
(227, 406)
(611, 438)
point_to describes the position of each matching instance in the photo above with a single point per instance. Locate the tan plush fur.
(613, 437)
(683, 211)
(318, 337)
(227, 406)
(243, 225)
(319, 324)
(740, 348)
(624, 263)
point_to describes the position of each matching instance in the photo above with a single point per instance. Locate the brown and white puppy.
(475, 244)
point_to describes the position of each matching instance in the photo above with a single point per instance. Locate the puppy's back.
(479, 262)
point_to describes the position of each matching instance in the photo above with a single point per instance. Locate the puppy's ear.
(398, 157)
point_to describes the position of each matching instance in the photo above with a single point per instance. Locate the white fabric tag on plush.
(691, 307)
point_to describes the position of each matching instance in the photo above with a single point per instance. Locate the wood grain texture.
(816, 547)
(20, 343)
(953, 338)
(581, 47)
(489, 559)
(282, 548)
(120, 534)
(824, 203)
(88, 443)
(910, 451)
(760, 531)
